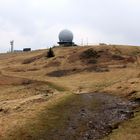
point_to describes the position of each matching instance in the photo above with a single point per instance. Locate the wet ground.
(94, 117)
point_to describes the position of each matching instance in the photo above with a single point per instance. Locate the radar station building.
(66, 38)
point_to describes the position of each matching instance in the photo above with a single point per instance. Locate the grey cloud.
(36, 23)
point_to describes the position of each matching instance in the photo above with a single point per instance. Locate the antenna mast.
(12, 45)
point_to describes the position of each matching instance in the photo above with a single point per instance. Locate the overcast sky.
(37, 23)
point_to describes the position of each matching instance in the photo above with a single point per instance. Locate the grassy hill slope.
(30, 82)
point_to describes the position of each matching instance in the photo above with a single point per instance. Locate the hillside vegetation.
(38, 92)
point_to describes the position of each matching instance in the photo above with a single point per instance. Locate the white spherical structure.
(65, 36)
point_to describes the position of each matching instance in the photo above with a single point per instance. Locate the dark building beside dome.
(66, 38)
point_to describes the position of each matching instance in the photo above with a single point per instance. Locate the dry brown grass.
(28, 82)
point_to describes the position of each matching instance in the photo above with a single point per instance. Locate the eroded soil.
(89, 116)
(94, 117)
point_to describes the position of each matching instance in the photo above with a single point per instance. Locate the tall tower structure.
(12, 45)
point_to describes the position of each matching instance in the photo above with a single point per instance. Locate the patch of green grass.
(100, 86)
(50, 117)
(135, 52)
(57, 87)
(117, 50)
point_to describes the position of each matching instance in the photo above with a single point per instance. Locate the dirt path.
(13, 104)
(88, 116)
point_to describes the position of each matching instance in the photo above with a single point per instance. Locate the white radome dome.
(65, 36)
